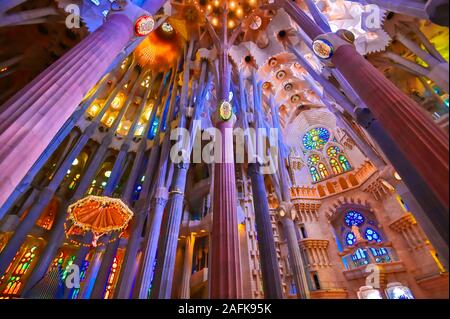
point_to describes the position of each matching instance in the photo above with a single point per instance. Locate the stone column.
(266, 244)
(52, 147)
(295, 257)
(433, 215)
(105, 268)
(91, 275)
(80, 257)
(145, 276)
(126, 276)
(429, 229)
(35, 114)
(187, 267)
(422, 142)
(225, 258)
(302, 19)
(162, 287)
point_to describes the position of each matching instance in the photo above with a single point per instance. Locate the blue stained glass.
(350, 239)
(316, 138)
(372, 235)
(154, 129)
(353, 218)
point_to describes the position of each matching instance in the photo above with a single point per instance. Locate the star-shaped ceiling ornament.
(187, 18)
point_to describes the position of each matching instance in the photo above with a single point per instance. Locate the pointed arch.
(323, 171)
(344, 163)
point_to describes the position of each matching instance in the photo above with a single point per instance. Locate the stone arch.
(352, 179)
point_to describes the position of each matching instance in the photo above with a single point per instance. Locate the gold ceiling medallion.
(346, 35)
(288, 87)
(281, 74)
(144, 25)
(273, 62)
(295, 98)
(323, 49)
(267, 85)
(225, 110)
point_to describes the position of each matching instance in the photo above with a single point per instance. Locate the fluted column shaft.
(52, 147)
(47, 194)
(167, 247)
(295, 258)
(102, 277)
(424, 144)
(151, 245)
(36, 113)
(433, 214)
(302, 19)
(266, 243)
(225, 272)
(187, 267)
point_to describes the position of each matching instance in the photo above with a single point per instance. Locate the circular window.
(316, 138)
(353, 218)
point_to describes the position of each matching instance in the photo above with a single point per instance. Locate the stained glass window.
(154, 129)
(344, 162)
(112, 279)
(315, 175)
(323, 170)
(353, 218)
(350, 239)
(316, 138)
(337, 169)
(15, 281)
(333, 151)
(313, 160)
(372, 235)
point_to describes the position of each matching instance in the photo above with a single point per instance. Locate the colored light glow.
(75, 162)
(108, 174)
(116, 103)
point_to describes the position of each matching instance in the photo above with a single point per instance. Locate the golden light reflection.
(159, 51)
(93, 110)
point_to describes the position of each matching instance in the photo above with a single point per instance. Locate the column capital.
(327, 44)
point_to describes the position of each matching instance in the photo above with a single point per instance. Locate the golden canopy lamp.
(99, 215)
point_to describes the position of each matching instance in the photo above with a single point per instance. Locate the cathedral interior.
(348, 200)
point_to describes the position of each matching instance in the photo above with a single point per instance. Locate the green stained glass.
(316, 138)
